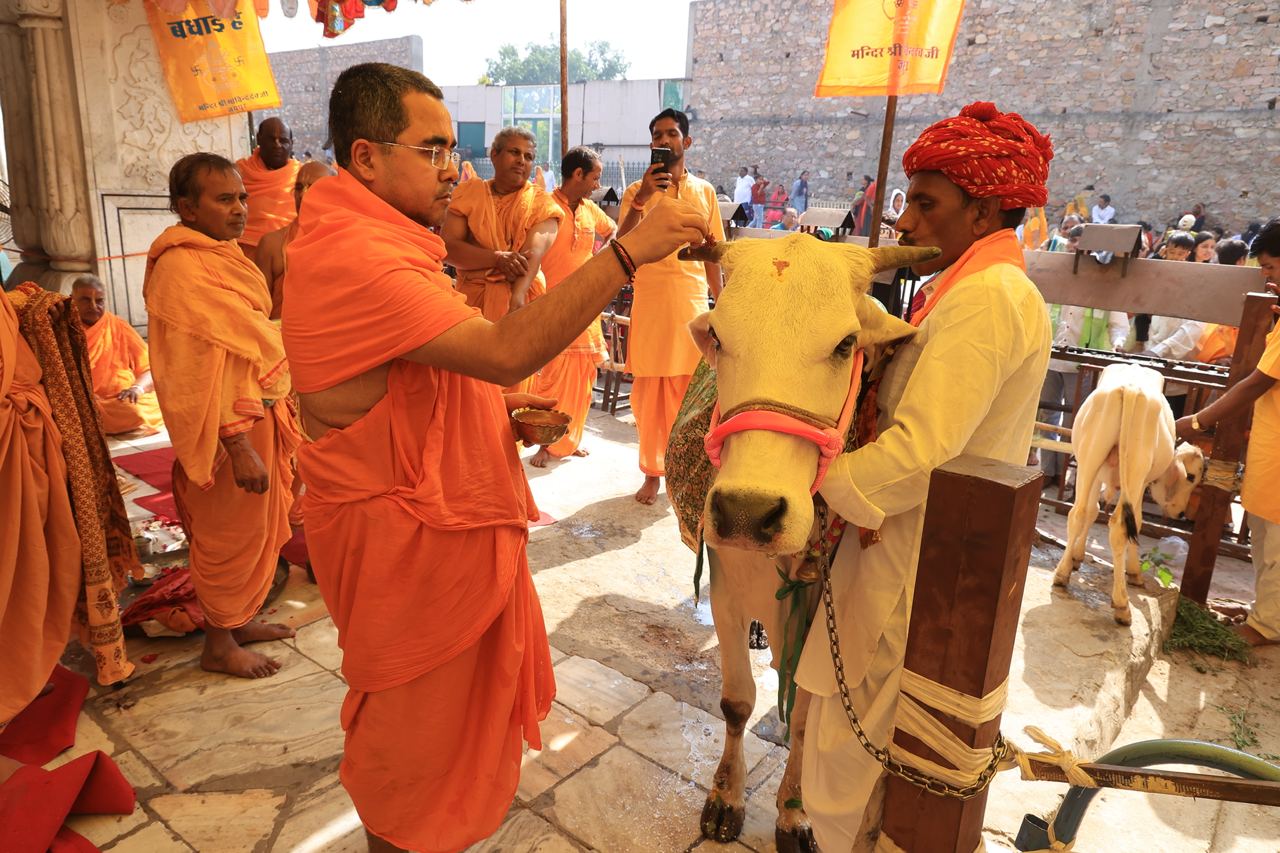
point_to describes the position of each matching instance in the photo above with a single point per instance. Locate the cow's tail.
(1134, 461)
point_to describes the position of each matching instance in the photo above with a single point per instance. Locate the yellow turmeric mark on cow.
(781, 265)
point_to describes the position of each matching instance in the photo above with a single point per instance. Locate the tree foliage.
(540, 64)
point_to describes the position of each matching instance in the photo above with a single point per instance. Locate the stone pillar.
(62, 203)
(19, 140)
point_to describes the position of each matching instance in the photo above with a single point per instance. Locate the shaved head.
(275, 142)
(310, 172)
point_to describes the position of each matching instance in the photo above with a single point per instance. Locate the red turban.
(986, 153)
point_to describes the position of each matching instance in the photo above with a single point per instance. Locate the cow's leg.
(1133, 564)
(725, 809)
(1079, 519)
(793, 833)
(1119, 548)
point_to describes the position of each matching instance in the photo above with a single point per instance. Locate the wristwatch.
(1195, 423)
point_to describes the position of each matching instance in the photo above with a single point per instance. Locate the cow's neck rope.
(804, 416)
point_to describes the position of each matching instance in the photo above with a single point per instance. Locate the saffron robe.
(416, 518)
(271, 203)
(118, 356)
(219, 369)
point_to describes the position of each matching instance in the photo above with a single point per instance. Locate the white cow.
(783, 339)
(1124, 440)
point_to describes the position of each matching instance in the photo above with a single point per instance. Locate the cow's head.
(1172, 489)
(785, 331)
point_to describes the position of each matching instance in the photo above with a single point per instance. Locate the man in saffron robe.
(268, 174)
(223, 385)
(571, 375)
(40, 574)
(417, 506)
(122, 386)
(498, 230)
(270, 255)
(661, 354)
(968, 382)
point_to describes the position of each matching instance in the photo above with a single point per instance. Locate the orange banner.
(214, 66)
(889, 47)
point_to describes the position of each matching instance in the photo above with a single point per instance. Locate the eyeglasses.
(451, 157)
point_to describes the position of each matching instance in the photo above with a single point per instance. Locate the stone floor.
(633, 738)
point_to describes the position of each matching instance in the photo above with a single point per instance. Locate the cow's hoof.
(797, 840)
(758, 639)
(1122, 615)
(721, 821)
(1134, 580)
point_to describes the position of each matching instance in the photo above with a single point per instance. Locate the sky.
(459, 37)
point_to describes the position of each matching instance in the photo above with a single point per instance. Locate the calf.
(1124, 440)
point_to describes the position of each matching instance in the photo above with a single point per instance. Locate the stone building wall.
(305, 78)
(1152, 101)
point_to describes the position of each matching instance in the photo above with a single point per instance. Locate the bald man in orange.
(660, 353)
(223, 385)
(40, 574)
(122, 386)
(269, 174)
(270, 256)
(417, 507)
(570, 376)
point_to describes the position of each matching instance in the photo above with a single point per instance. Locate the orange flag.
(889, 47)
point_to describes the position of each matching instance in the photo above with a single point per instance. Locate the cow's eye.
(845, 347)
(1191, 478)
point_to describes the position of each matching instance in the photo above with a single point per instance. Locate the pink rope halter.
(779, 417)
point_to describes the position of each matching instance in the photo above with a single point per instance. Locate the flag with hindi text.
(215, 65)
(889, 47)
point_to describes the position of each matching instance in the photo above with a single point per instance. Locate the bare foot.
(649, 491)
(1233, 610)
(260, 632)
(541, 458)
(580, 452)
(238, 662)
(1253, 637)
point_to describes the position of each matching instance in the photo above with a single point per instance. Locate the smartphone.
(660, 155)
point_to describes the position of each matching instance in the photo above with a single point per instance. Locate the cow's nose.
(748, 514)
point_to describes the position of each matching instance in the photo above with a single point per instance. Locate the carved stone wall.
(15, 101)
(132, 137)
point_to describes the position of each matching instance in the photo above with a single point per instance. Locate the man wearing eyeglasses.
(417, 507)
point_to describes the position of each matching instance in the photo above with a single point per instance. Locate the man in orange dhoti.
(122, 386)
(660, 352)
(570, 376)
(270, 256)
(40, 573)
(417, 506)
(268, 174)
(497, 231)
(223, 385)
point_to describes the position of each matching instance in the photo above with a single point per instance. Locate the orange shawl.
(1001, 247)
(574, 245)
(118, 357)
(500, 223)
(215, 355)
(271, 204)
(432, 461)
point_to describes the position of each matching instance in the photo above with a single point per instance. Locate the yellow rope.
(1056, 755)
(1222, 474)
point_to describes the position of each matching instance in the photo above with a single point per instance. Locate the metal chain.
(1000, 750)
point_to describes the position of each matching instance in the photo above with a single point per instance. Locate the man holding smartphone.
(667, 294)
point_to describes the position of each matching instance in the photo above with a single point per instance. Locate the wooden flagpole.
(882, 173)
(564, 78)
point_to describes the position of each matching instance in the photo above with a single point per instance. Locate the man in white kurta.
(967, 383)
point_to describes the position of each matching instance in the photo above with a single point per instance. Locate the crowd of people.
(343, 347)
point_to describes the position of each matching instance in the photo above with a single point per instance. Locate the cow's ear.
(704, 337)
(879, 327)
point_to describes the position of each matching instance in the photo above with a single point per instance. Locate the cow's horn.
(710, 253)
(896, 257)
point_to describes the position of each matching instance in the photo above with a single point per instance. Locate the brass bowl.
(540, 426)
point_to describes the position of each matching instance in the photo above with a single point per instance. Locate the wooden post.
(978, 530)
(1228, 445)
(564, 79)
(882, 172)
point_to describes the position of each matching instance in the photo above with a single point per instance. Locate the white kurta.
(967, 383)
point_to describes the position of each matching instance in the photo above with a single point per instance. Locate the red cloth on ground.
(171, 601)
(986, 153)
(34, 803)
(47, 726)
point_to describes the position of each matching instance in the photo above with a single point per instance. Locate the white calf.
(1124, 440)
